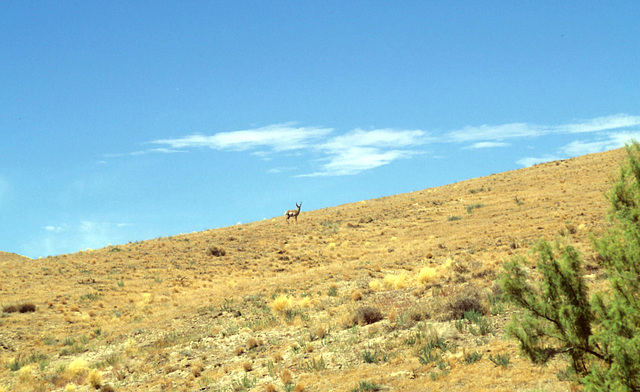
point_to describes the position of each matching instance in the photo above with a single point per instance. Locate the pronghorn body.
(293, 213)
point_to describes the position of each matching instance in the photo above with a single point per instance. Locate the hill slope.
(332, 302)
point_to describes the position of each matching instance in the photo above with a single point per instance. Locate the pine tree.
(557, 317)
(601, 336)
(618, 310)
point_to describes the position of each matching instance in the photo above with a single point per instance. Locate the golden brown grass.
(295, 305)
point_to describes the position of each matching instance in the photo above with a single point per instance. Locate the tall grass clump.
(282, 304)
(427, 275)
(396, 281)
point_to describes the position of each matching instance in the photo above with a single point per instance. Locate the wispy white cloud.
(600, 124)
(610, 142)
(524, 130)
(577, 148)
(279, 137)
(346, 154)
(481, 145)
(378, 138)
(361, 150)
(54, 229)
(493, 132)
(357, 159)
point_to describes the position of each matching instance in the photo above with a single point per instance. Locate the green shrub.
(426, 355)
(370, 356)
(500, 360)
(472, 358)
(472, 207)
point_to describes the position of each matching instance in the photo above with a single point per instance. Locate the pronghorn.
(293, 213)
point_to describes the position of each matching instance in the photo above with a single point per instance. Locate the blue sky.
(129, 120)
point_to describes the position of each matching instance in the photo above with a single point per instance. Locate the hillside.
(335, 302)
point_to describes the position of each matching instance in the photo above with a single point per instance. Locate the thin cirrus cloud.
(481, 145)
(346, 154)
(360, 150)
(354, 160)
(577, 148)
(279, 137)
(611, 132)
(486, 133)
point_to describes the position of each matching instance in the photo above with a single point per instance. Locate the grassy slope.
(166, 314)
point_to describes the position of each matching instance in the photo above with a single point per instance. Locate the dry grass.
(350, 294)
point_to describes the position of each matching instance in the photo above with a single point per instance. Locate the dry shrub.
(270, 388)
(95, 379)
(417, 313)
(305, 302)
(319, 332)
(106, 388)
(252, 343)
(461, 266)
(466, 300)
(26, 373)
(10, 309)
(569, 228)
(300, 387)
(356, 296)
(26, 307)
(197, 369)
(375, 285)
(286, 377)
(393, 314)
(216, 251)
(247, 366)
(366, 315)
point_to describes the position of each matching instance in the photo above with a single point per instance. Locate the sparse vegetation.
(334, 302)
